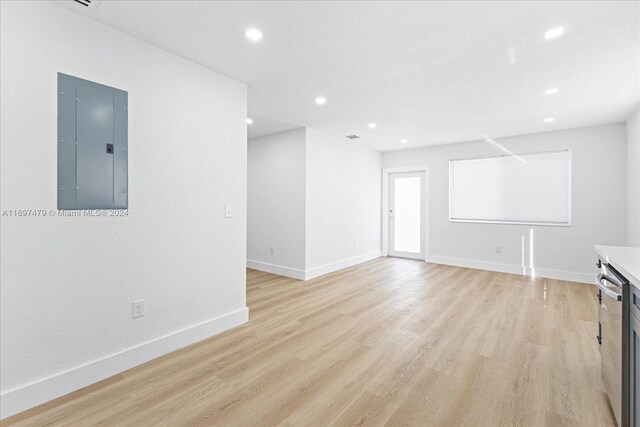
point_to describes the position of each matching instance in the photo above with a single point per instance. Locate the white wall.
(343, 200)
(598, 207)
(276, 200)
(312, 196)
(633, 180)
(68, 283)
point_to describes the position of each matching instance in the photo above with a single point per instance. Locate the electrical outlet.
(355, 243)
(271, 250)
(228, 210)
(498, 249)
(138, 308)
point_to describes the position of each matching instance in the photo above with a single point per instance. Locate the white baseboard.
(339, 265)
(280, 270)
(569, 276)
(512, 269)
(314, 272)
(479, 265)
(41, 391)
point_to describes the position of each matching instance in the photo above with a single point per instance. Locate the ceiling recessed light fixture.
(372, 125)
(403, 141)
(321, 100)
(552, 34)
(549, 119)
(551, 91)
(253, 34)
(249, 121)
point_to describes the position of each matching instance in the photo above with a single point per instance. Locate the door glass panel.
(406, 214)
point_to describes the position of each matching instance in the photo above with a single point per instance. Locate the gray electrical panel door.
(92, 145)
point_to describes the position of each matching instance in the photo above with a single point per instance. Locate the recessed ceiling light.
(253, 34)
(403, 141)
(249, 121)
(551, 91)
(548, 119)
(372, 125)
(552, 34)
(321, 101)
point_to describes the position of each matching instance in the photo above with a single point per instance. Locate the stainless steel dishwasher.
(613, 319)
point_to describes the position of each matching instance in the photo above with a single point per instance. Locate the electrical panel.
(92, 145)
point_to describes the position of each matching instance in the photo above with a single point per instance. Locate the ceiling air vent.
(89, 4)
(353, 136)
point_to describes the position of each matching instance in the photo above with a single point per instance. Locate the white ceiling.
(431, 72)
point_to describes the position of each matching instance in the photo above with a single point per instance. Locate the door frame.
(393, 177)
(386, 172)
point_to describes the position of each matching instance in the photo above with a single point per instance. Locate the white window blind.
(520, 189)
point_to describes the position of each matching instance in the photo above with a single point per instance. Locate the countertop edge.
(604, 252)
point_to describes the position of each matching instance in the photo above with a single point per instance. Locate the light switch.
(228, 210)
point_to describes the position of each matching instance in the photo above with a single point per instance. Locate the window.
(519, 189)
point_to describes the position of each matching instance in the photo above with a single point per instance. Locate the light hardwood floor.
(389, 342)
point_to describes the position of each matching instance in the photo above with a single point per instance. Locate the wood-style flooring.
(389, 342)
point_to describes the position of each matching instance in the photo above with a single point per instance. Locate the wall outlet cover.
(138, 308)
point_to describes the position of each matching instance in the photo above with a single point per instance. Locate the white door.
(406, 215)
